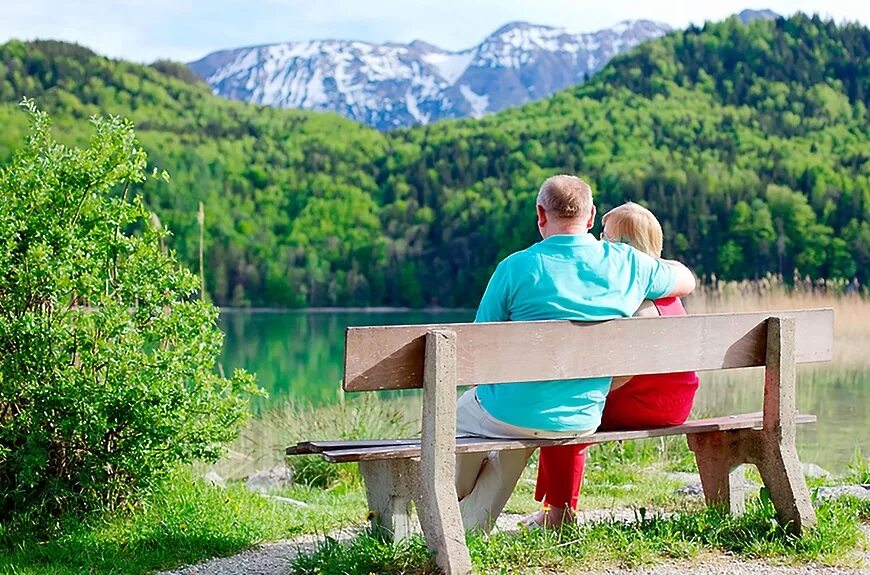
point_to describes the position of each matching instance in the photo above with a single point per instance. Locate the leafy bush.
(107, 354)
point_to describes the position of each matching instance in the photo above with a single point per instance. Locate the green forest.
(750, 142)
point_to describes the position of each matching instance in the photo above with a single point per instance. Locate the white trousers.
(486, 480)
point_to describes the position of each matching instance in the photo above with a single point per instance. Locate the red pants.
(645, 401)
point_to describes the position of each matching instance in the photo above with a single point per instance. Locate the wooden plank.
(309, 447)
(478, 444)
(391, 357)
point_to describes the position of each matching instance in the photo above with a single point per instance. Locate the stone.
(212, 478)
(813, 470)
(695, 489)
(856, 491)
(279, 477)
(691, 490)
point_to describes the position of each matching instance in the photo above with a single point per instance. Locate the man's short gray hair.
(566, 197)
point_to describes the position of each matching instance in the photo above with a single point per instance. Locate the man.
(568, 275)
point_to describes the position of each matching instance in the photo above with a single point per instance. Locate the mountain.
(393, 85)
(747, 16)
(749, 142)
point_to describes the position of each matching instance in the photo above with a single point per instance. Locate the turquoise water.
(299, 355)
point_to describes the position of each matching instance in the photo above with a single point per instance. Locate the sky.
(185, 30)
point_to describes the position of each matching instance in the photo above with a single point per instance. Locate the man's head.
(634, 225)
(565, 206)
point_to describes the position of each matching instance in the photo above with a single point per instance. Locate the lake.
(299, 355)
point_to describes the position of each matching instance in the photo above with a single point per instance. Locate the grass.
(858, 471)
(187, 521)
(184, 521)
(634, 473)
(612, 543)
(262, 442)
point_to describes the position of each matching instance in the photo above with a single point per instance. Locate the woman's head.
(635, 225)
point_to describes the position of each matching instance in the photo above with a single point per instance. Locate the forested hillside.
(749, 141)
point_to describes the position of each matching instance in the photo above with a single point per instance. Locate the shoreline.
(336, 309)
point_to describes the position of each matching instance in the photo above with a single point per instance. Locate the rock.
(696, 490)
(279, 477)
(857, 491)
(691, 490)
(813, 470)
(286, 500)
(214, 479)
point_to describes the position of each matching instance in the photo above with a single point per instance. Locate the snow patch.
(411, 104)
(449, 66)
(479, 103)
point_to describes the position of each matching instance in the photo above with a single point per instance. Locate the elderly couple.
(570, 275)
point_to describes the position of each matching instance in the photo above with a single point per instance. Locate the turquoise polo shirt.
(572, 277)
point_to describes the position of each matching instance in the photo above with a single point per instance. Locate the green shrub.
(107, 354)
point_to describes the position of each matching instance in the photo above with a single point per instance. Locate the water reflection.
(300, 355)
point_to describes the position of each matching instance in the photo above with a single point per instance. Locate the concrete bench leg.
(438, 507)
(391, 487)
(775, 450)
(781, 472)
(720, 456)
(719, 464)
(772, 449)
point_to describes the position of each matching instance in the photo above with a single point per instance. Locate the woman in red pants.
(640, 402)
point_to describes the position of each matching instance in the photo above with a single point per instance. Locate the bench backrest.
(392, 357)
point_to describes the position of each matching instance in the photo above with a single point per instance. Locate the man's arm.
(684, 279)
(663, 278)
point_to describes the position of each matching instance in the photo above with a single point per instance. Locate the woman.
(640, 402)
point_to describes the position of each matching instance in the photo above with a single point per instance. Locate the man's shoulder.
(521, 258)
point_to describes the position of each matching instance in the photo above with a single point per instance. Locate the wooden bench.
(438, 358)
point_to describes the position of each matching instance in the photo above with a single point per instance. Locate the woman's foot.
(549, 518)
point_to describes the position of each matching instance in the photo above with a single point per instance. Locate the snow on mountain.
(449, 66)
(394, 85)
(747, 16)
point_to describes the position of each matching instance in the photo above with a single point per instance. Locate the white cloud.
(144, 30)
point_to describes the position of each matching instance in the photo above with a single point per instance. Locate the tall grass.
(851, 308)
(264, 439)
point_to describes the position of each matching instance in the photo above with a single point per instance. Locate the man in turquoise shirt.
(568, 275)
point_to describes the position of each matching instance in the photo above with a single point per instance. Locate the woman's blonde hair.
(636, 226)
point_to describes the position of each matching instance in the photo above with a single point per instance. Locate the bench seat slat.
(403, 449)
(308, 447)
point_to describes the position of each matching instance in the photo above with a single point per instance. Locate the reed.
(850, 302)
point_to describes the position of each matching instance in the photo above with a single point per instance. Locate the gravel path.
(724, 565)
(274, 558)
